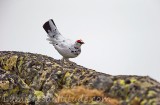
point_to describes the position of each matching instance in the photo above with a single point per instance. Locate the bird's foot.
(62, 62)
(70, 63)
(67, 62)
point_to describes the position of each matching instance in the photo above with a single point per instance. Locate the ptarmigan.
(65, 47)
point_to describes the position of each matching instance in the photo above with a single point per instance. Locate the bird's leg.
(67, 60)
(62, 61)
(70, 62)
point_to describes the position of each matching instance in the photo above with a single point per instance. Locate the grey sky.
(121, 36)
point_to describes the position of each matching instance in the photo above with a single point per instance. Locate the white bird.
(65, 47)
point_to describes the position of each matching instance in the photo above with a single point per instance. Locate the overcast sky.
(121, 36)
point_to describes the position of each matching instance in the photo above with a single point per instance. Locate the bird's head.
(80, 41)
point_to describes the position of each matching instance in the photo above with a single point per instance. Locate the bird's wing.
(53, 34)
(66, 44)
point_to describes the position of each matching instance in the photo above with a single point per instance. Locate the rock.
(35, 79)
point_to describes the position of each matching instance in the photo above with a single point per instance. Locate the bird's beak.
(82, 43)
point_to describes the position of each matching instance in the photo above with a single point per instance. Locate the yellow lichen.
(56, 65)
(12, 91)
(67, 75)
(24, 84)
(115, 82)
(2, 58)
(10, 63)
(135, 101)
(4, 85)
(151, 101)
(25, 90)
(5, 94)
(133, 80)
(121, 82)
(151, 93)
(20, 64)
(43, 76)
(39, 94)
(145, 84)
(67, 79)
(143, 102)
(59, 72)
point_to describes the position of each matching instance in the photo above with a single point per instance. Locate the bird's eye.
(97, 98)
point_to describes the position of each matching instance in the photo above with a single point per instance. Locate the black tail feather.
(46, 25)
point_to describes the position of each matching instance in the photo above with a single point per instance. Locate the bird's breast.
(68, 52)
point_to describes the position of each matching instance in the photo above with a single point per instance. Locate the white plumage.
(67, 48)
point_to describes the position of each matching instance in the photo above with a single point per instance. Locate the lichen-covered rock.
(27, 78)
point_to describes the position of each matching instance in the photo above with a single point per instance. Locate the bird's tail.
(51, 29)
